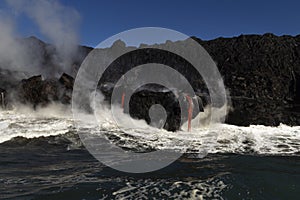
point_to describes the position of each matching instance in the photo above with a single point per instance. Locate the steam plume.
(59, 24)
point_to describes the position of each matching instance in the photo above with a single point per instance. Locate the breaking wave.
(219, 138)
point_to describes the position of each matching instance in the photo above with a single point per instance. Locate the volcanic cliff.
(260, 72)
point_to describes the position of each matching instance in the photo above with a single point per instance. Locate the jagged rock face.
(144, 56)
(30, 90)
(36, 91)
(261, 72)
(257, 66)
(262, 75)
(67, 81)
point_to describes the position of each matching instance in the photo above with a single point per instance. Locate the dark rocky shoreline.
(261, 73)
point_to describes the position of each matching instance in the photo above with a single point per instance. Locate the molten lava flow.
(190, 111)
(123, 99)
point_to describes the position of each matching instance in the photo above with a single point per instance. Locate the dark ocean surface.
(59, 167)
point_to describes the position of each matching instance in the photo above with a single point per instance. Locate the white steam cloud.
(59, 24)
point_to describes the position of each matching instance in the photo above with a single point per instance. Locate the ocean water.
(42, 157)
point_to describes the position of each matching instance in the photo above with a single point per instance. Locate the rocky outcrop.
(36, 91)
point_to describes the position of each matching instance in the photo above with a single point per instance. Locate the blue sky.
(205, 19)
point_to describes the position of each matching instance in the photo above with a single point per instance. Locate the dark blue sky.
(205, 19)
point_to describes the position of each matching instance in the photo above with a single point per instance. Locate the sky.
(207, 20)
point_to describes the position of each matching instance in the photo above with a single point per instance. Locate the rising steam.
(57, 23)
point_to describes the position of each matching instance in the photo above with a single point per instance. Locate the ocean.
(42, 157)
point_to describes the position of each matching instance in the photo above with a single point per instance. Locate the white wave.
(219, 138)
(13, 124)
(213, 138)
